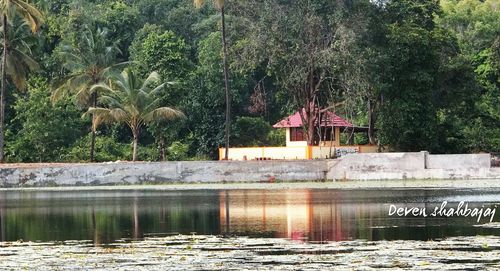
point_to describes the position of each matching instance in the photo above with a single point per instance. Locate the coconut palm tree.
(219, 4)
(88, 63)
(19, 60)
(34, 18)
(133, 101)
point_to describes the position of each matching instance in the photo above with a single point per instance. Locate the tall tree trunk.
(226, 83)
(371, 121)
(162, 148)
(310, 130)
(92, 141)
(2, 93)
(135, 133)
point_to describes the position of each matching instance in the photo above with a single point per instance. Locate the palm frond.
(83, 96)
(219, 4)
(101, 88)
(99, 116)
(29, 13)
(58, 93)
(152, 78)
(119, 114)
(157, 89)
(198, 3)
(109, 101)
(163, 113)
(27, 60)
(18, 66)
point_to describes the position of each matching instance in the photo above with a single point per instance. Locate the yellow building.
(326, 143)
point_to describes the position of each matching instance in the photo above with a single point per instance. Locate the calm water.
(308, 214)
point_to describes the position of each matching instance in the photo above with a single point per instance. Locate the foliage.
(132, 101)
(250, 132)
(424, 75)
(300, 59)
(408, 117)
(16, 70)
(165, 53)
(277, 137)
(87, 62)
(177, 151)
(108, 148)
(19, 59)
(476, 25)
(46, 130)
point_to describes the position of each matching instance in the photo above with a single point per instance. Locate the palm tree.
(219, 4)
(19, 60)
(132, 101)
(88, 63)
(34, 19)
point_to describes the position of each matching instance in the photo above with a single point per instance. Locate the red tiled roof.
(328, 118)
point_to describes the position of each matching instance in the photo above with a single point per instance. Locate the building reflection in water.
(300, 215)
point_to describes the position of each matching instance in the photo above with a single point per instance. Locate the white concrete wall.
(166, 172)
(384, 161)
(418, 165)
(372, 166)
(460, 161)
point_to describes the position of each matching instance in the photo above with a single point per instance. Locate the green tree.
(476, 24)
(157, 50)
(89, 62)
(205, 101)
(220, 4)
(132, 101)
(122, 20)
(165, 53)
(410, 101)
(251, 132)
(33, 17)
(299, 52)
(19, 59)
(46, 130)
(107, 148)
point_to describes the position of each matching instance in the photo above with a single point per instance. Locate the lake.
(313, 215)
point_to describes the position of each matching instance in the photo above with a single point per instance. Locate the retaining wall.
(460, 161)
(413, 165)
(363, 166)
(166, 172)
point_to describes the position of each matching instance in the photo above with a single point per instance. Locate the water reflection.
(312, 215)
(344, 215)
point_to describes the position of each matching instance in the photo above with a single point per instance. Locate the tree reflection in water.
(2, 220)
(306, 215)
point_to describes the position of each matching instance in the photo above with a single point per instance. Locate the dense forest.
(422, 74)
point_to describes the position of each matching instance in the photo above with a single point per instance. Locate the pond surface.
(305, 214)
